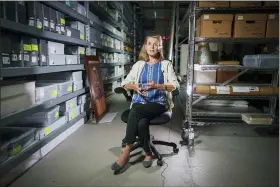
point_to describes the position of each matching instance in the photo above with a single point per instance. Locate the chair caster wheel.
(159, 162)
(176, 150)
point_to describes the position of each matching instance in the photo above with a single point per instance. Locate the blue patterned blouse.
(151, 72)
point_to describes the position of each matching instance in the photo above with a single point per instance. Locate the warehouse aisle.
(229, 156)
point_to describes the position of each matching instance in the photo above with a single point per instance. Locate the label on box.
(19, 57)
(62, 21)
(58, 29)
(71, 105)
(56, 114)
(82, 51)
(206, 16)
(239, 17)
(6, 60)
(69, 89)
(241, 89)
(16, 149)
(52, 25)
(39, 24)
(271, 16)
(212, 87)
(46, 23)
(82, 37)
(47, 131)
(69, 61)
(72, 115)
(62, 29)
(14, 57)
(254, 89)
(43, 57)
(31, 22)
(26, 58)
(223, 90)
(27, 47)
(54, 93)
(34, 47)
(34, 59)
(68, 33)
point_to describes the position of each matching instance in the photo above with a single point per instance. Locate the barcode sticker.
(43, 57)
(46, 23)
(6, 60)
(239, 17)
(68, 33)
(62, 29)
(212, 87)
(223, 90)
(34, 59)
(240, 89)
(39, 24)
(206, 16)
(52, 25)
(26, 58)
(31, 22)
(14, 57)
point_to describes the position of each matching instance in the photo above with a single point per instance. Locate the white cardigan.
(168, 73)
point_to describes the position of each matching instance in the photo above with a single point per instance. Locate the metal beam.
(172, 29)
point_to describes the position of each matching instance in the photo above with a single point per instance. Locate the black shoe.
(117, 167)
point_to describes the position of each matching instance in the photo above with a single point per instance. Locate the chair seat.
(160, 120)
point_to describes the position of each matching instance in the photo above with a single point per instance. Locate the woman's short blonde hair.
(143, 55)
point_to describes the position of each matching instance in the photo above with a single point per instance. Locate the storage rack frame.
(7, 166)
(200, 118)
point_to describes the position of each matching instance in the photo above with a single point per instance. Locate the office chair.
(160, 120)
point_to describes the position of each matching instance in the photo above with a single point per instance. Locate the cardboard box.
(213, 3)
(250, 25)
(245, 3)
(202, 89)
(224, 75)
(272, 26)
(271, 3)
(215, 25)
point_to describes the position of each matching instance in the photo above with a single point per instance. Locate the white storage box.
(68, 105)
(77, 85)
(64, 88)
(257, 119)
(71, 59)
(18, 88)
(56, 60)
(10, 105)
(63, 76)
(71, 114)
(83, 99)
(261, 61)
(45, 92)
(55, 48)
(84, 107)
(42, 132)
(204, 76)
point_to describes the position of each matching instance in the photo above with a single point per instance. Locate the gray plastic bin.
(13, 140)
(265, 61)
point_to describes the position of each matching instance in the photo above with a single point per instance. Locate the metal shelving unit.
(194, 112)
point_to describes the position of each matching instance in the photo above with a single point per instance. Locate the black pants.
(138, 123)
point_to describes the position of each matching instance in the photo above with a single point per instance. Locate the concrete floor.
(222, 156)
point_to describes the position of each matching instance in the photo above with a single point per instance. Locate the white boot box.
(77, 85)
(56, 60)
(71, 59)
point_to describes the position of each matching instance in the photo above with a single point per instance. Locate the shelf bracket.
(223, 84)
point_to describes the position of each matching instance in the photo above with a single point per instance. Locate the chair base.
(154, 149)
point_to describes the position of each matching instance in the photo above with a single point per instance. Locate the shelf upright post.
(190, 64)
(1, 60)
(88, 51)
(177, 39)
(273, 100)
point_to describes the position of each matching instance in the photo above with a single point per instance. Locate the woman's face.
(152, 46)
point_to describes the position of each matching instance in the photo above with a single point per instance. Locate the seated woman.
(152, 79)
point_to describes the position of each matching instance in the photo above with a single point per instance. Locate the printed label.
(57, 28)
(82, 37)
(212, 87)
(72, 115)
(34, 59)
(240, 89)
(54, 93)
(223, 90)
(39, 24)
(69, 89)
(34, 47)
(239, 17)
(31, 22)
(254, 89)
(16, 149)
(62, 21)
(62, 29)
(6, 60)
(71, 105)
(271, 16)
(26, 58)
(14, 57)
(19, 57)
(206, 16)
(82, 51)
(46, 23)
(27, 47)
(47, 131)
(43, 58)
(56, 114)
(52, 25)
(68, 33)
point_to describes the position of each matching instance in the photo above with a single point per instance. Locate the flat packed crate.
(13, 140)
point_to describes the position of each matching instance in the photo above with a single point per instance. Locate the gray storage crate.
(68, 105)
(265, 61)
(63, 87)
(40, 119)
(13, 140)
(71, 114)
(45, 92)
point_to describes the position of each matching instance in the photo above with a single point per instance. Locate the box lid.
(212, 17)
(254, 17)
